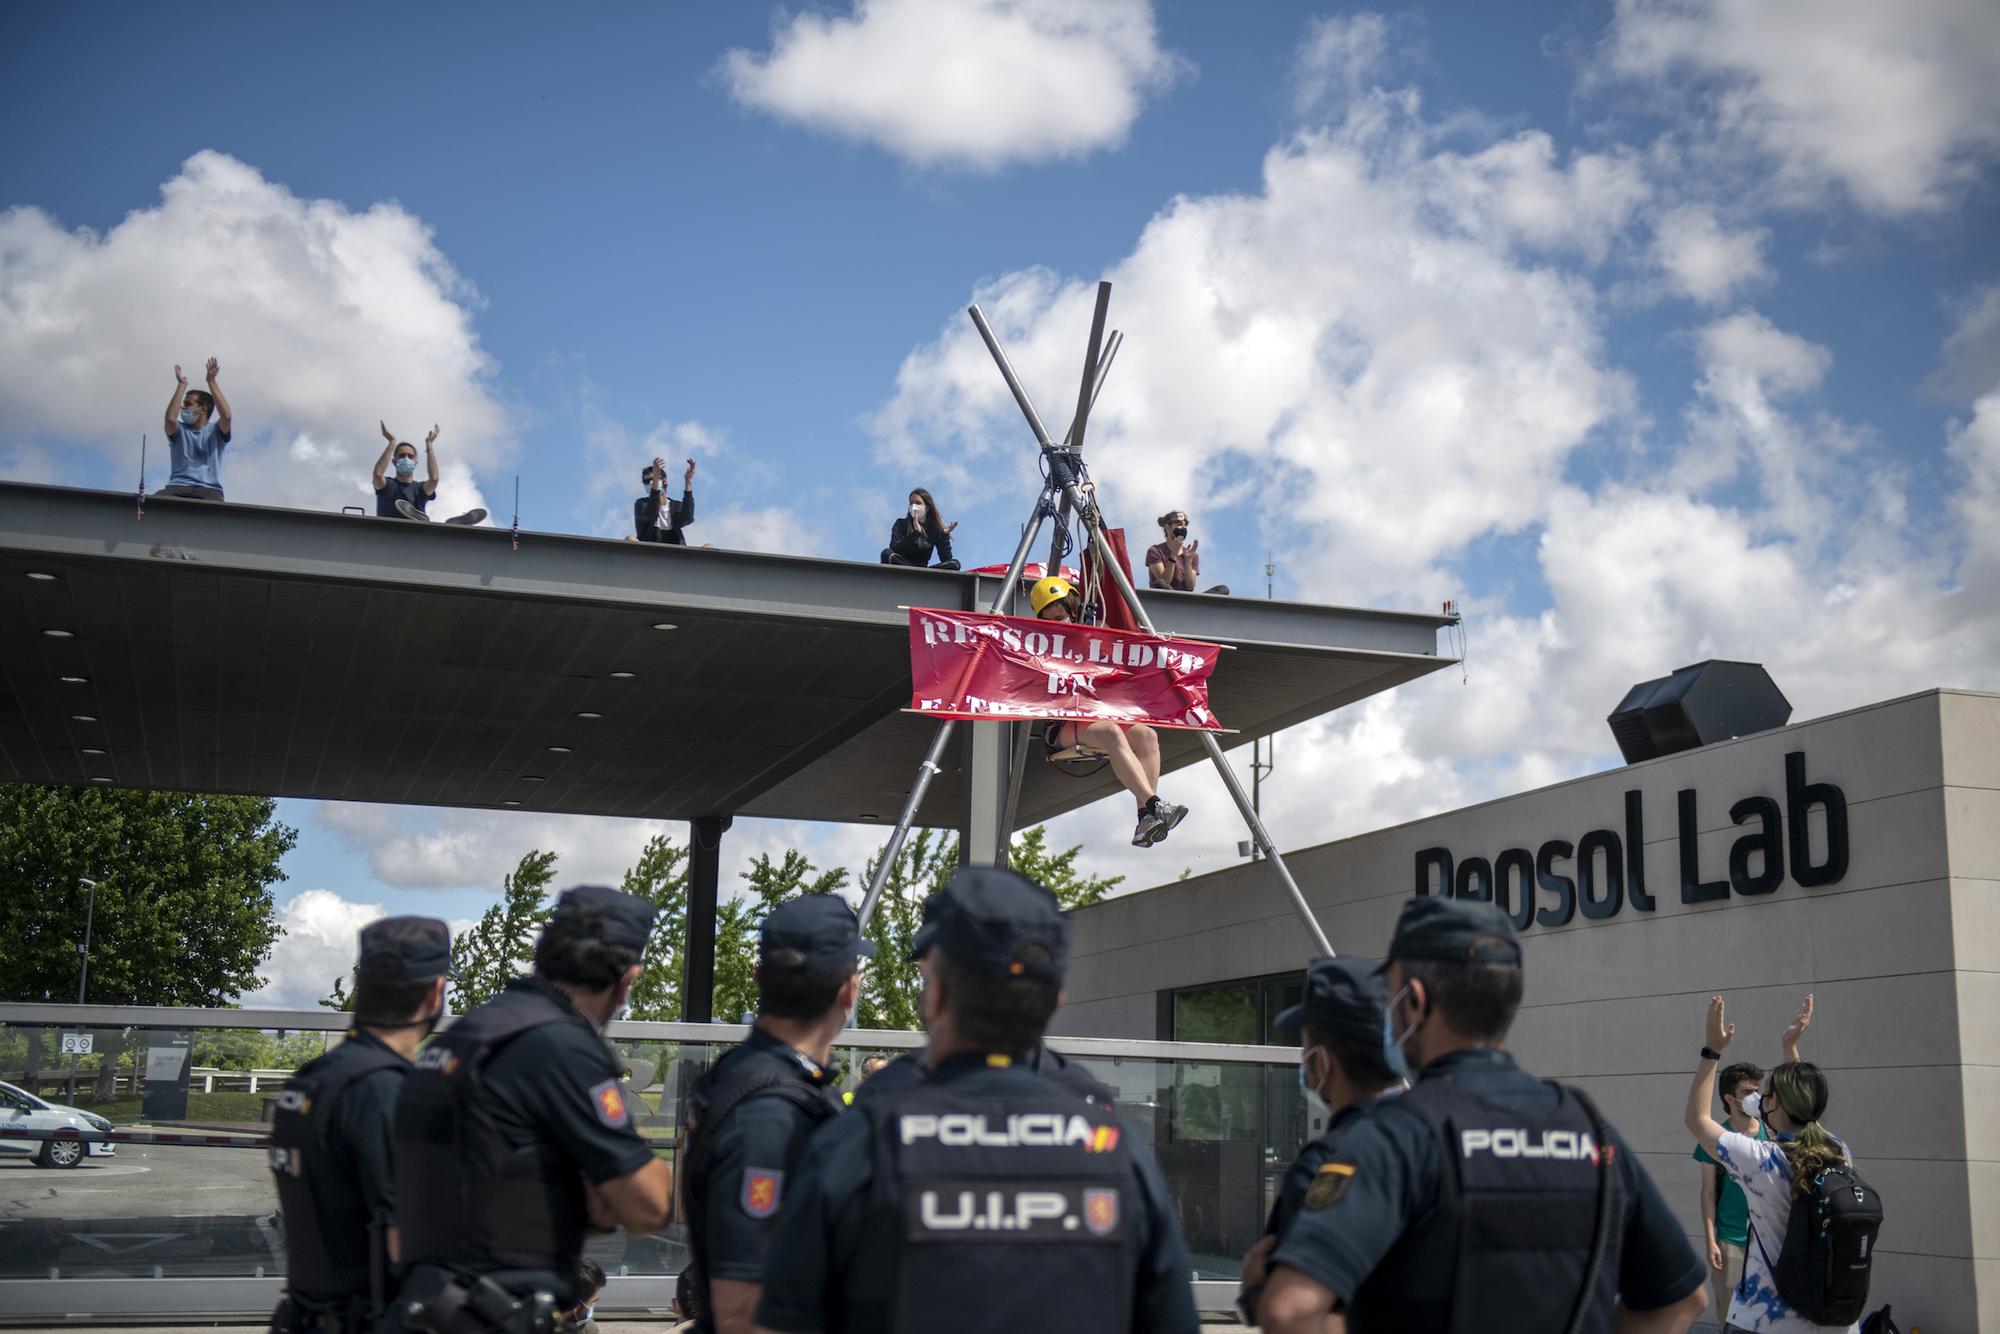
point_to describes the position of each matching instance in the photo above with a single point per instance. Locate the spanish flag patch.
(1329, 1184)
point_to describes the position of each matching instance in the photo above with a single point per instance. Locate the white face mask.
(917, 510)
(1315, 1100)
(1753, 1104)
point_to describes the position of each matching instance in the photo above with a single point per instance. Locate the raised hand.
(179, 377)
(1194, 545)
(387, 434)
(1719, 1032)
(1798, 1029)
(952, 526)
(688, 476)
(214, 369)
(431, 439)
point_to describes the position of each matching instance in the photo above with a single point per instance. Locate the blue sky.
(1649, 332)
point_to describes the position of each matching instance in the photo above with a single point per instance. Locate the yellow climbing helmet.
(1052, 589)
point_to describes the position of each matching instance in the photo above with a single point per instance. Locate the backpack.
(1822, 1269)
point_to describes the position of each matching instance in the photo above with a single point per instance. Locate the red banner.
(968, 665)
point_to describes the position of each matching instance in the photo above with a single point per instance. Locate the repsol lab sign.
(1602, 871)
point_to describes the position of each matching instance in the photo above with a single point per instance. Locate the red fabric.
(1029, 572)
(970, 665)
(1117, 612)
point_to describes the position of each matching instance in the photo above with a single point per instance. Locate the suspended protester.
(919, 534)
(1132, 748)
(984, 1198)
(1483, 1199)
(331, 1131)
(515, 1134)
(749, 1116)
(913, 1067)
(1342, 1074)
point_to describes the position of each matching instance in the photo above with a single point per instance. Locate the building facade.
(1855, 856)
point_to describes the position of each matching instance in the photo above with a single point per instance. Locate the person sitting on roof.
(403, 495)
(914, 537)
(1132, 748)
(657, 516)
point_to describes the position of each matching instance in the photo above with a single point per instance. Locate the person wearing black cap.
(1342, 1072)
(984, 1197)
(913, 1066)
(514, 1133)
(1483, 1198)
(330, 1133)
(749, 1117)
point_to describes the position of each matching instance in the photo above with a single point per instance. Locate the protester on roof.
(1132, 748)
(923, 531)
(404, 494)
(198, 427)
(656, 516)
(1174, 562)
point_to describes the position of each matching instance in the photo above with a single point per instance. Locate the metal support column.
(988, 758)
(698, 953)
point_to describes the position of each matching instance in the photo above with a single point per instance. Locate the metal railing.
(243, 1277)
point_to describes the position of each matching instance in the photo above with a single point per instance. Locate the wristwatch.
(1710, 1054)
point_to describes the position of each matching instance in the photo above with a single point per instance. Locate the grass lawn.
(222, 1108)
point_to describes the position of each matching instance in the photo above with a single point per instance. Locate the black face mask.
(1180, 532)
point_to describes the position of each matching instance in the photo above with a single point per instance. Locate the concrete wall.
(1900, 952)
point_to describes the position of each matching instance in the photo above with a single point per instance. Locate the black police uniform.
(330, 1156)
(890, 1228)
(910, 1069)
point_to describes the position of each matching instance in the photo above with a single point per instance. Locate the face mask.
(1392, 1046)
(404, 467)
(917, 512)
(188, 417)
(1315, 1100)
(1753, 1104)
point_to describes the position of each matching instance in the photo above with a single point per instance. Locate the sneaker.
(471, 516)
(1169, 817)
(409, 511)
(1147, 832)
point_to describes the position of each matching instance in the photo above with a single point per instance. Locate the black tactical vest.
(1011, 1212)
(329, 1236)
(1518, 1200)
(465, 1196)
(731, 1083)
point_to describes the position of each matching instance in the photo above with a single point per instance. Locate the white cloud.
(319, 945)
(967, 83)
(1701, 259)
(1969, 361)
(324, 320)
(1337, 62)
(1897, 104)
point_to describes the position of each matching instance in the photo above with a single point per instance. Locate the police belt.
(475, 1304)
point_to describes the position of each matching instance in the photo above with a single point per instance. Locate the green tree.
(1030, 856)
(889, 982)
(660, 877)
(502, 945)
(770, 884)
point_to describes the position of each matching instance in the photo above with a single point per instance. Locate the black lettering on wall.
(1693, 888)
(1429, 860)
(1635, 851)
(1561, 886)
(1800, 798)
(1522, 908)
(1771, 873)
(1595, 906)
(1475, 869)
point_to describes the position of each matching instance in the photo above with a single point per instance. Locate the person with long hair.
(915, 536)
(1773, 1173)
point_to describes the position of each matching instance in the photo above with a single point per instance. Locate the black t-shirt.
(753, 1158)
(363, 1131)
(394, 489)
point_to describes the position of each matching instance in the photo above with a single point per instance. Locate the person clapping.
(920, 533)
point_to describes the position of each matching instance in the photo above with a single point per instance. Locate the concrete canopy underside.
(239, 649)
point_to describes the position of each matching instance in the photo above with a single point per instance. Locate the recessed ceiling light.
(533, 778)
(665, 625)
(60, 634)
(74, 680)
(510, 803)
(81, 718)
(42, 575)
(100, 780)
(592, 716)
(870, 815)
(623, 676)
(92, 750)
(559, 750)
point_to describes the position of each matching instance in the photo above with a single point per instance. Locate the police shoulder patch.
(1328, 1185)
(608, 1101)
(763, 1188)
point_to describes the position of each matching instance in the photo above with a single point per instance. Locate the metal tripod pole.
(929, 768)
(1063, 470)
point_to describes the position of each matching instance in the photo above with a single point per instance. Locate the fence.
(181, 1220)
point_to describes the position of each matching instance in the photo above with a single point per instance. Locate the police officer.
(1483, 1198)
(984, 1197)
(330, 1133)
(514, 1133)
(913, 1066)
(1342, 1072)
(749, 1117)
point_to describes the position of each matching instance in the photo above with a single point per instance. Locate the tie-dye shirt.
(1765, 1174)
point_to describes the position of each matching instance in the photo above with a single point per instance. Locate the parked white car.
(23, 1110)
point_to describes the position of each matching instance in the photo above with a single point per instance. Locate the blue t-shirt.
(197, 455)
(393, 490)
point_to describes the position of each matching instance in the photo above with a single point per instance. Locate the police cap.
(1343, 998)
(1451, 931)
(927, 933)
(820, 929)
(997, 921)
(406, 949)
(627, 918)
